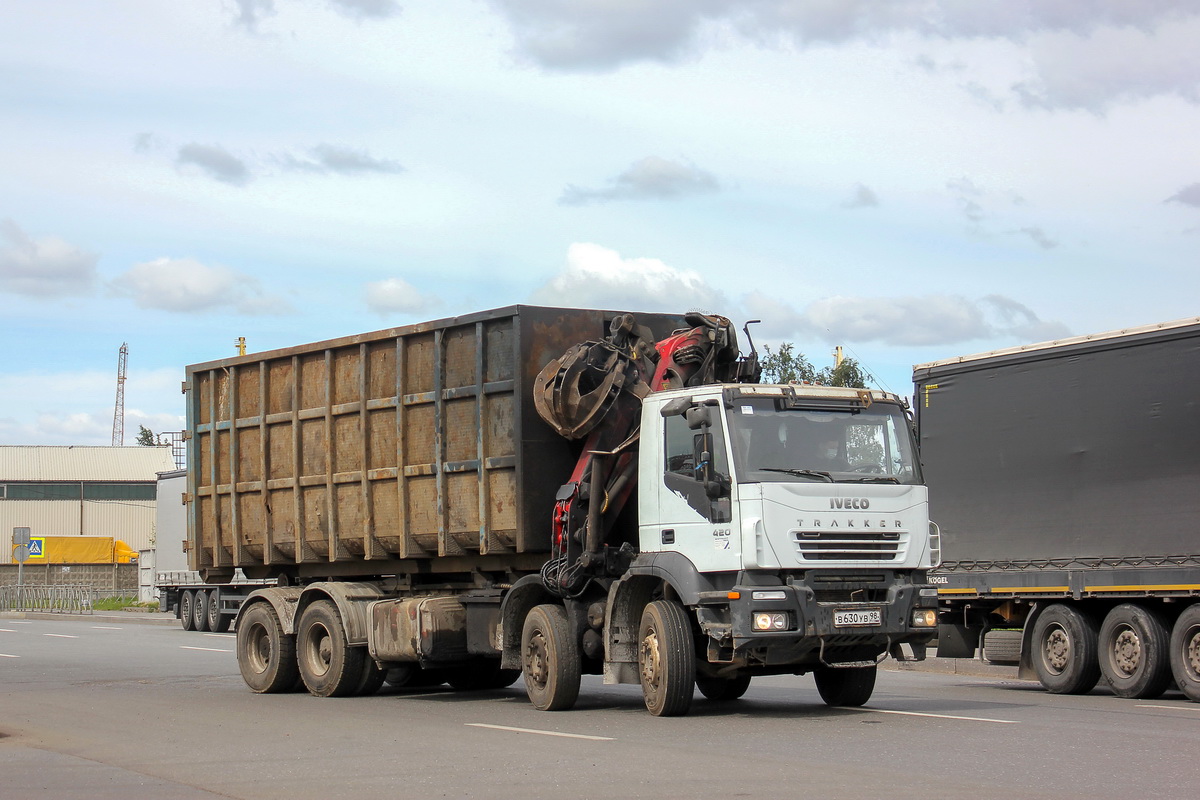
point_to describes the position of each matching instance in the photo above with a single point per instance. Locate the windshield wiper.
(800, 473)
(871, 479)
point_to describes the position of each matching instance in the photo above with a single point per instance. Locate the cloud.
(651, 178)
(1188, 195)
(47, 267)
(863, 197)
(326, 158)
(1039, 238)
(367, 9)
(187, 286)
(251, 12)
(904, 321)
(215, 161)
(397, 296)
(597, 277)
(1083, 53)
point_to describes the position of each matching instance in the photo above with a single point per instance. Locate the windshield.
(774, 443)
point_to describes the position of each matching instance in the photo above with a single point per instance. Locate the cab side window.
(683, 471)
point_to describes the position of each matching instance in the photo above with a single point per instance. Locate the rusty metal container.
(408, 450)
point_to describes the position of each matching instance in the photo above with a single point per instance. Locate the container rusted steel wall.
(405, 450)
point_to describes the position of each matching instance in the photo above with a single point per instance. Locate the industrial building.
(80, 491)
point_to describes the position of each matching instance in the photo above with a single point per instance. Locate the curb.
(137, 618)
(953, 666)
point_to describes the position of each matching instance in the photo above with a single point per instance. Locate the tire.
(372, 677)
(266, 655)
(845, 687)
(1185, 652)
(549, 659)
(187, 614)
(482, 676)
(329, 666)
(666, 659)
(217, 622)
(1064, 651)
(1135, 652)
(722, 690)
(200, 611)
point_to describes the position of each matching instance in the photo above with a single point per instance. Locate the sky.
(910, 179)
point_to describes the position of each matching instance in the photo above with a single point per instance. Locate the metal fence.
(55, 599)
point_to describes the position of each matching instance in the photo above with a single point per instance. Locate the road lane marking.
(541, 733)
(222, 635)
(208, 649)
(19, 622)
(1171, 708)
(6, 655)
(60, 635)
(106, 628)
(7, 630)
(937, 716)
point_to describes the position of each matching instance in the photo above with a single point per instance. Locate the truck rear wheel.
(666, 659)
(1185, 652)
(329, 666)
(721, 690)
(845, 687)
(372, 677)
(549, 659)
(187, 618)
(1065, 654)
(200, 610)
(1135, 652)
(266, 655)
(217, 622)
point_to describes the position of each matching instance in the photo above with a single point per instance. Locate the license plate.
(857, 617)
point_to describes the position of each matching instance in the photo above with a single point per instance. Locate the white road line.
(60, 635)
(541, 733)
(106, 628)
(208, 649)
(221, 635)
(19, 622)
(6, 655)
(7, 630)
(937, 716)
(1171, 708)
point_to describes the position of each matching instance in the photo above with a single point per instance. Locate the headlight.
(924, 618)
(770, 621)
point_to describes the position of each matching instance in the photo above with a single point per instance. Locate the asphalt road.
(114, 709)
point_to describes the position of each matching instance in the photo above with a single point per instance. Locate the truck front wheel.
(845, 686)
(1065, 651)
(329, 666)
(266, 655)
(1185, 652)
(549, 659)
(666, 659)
(1134, 652)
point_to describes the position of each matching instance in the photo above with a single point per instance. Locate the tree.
(145, 437)
(785, 365)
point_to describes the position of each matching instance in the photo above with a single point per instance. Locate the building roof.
(82, 463)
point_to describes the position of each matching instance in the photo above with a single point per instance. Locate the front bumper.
(831, 618)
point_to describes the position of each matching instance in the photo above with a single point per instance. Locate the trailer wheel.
(217, 622)
(187, 619)
(372, 677)
(1135, 652)
(721, 690)
(200, 610)
(266, 655)
(329, 666)
(549, 659)
(845, 687)
(1064, 654)
(666, 659)
(1185, 652)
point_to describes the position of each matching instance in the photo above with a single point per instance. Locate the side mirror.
(699, 417)
(675, 407)
(702, 457)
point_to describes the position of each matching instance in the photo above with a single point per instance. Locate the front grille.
(847, 546)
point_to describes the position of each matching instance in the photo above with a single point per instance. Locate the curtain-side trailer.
(1065, 478)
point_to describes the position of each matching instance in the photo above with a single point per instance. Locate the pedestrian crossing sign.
(37, 546)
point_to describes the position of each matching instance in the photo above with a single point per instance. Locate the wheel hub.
(1127, 652)
(1192, 651)
(650, 666)
(535, 660)
(1058, 650)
